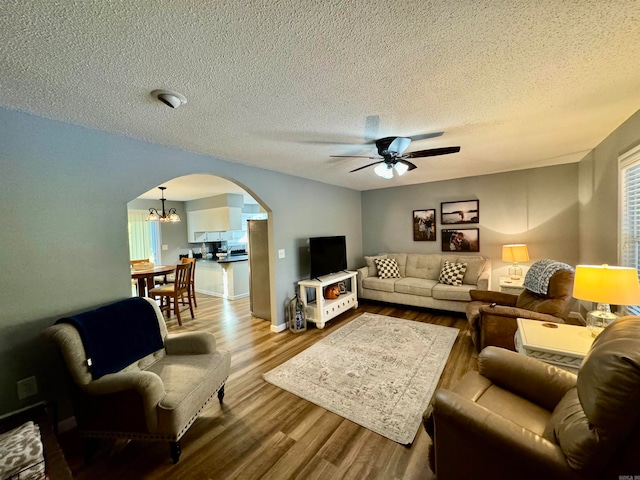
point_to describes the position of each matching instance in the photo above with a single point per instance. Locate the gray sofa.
(418, 284)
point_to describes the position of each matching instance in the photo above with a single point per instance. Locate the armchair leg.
(175, 451)
(221, 393)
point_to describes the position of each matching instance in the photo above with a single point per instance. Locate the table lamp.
(605, 285)
(515, 253)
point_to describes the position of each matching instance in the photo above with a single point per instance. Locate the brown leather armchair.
(520, 418)
(492, 315)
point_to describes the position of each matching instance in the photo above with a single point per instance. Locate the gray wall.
(64, 229)
(598, 194)
(538, 207)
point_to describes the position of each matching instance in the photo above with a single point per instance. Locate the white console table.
(322, 310)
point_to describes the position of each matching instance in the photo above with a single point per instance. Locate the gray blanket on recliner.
(538, 276)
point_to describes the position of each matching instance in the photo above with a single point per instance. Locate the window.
(144, 237)
(629, 206)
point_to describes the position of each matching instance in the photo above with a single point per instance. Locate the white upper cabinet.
(220, 219)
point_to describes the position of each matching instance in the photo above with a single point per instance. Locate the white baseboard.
(278, 328)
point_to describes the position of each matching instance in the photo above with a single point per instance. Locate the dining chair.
(175, 291)
(192, 280)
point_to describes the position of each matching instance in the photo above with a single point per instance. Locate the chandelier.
(170, 216)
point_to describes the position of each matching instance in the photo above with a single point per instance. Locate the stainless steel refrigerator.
(258, 251)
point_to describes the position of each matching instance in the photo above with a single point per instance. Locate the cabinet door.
(213, 237)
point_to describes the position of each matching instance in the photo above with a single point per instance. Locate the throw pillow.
(452, 273)
(22, 453)
(371, 263)
(387, 268)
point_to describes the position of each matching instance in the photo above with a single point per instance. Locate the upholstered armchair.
(520, 418)
(492, 315)
(131, 379)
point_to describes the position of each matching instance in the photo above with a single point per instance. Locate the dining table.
(145, 277)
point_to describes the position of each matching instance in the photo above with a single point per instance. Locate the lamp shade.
(515, 253)
(605, 284)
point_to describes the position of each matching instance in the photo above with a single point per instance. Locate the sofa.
(517, 417)
(421, 279)
(131, 379)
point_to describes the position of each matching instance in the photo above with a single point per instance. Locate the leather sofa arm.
(538, 382)
(190, 343)
(515, 312)
(491, 445)
(488, 296)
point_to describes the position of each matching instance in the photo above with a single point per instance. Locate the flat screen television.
(328, 255)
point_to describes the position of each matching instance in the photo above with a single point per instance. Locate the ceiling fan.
(391, 150)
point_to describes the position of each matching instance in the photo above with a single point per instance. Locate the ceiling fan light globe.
(383, 170)
(401, 168)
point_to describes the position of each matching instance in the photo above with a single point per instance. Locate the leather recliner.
(520, 418)
(492, 315)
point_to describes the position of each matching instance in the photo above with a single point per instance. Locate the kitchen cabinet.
(209, 224)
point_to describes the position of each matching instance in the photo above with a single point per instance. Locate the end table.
(557, 343)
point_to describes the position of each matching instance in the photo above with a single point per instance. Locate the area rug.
(377, 371)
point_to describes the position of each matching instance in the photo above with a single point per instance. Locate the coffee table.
(556, 343)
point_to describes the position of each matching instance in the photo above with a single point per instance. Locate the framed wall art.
(465, 211)
(424, 225)
(461, 240)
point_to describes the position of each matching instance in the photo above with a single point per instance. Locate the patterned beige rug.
(379, 372)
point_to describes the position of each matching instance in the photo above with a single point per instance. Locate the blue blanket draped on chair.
(117, 335)
(538, 276)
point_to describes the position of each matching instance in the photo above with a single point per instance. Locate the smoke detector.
(169, 98)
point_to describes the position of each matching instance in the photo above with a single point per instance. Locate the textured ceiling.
(284, 84)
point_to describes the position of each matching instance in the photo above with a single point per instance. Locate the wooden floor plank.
(262, 431)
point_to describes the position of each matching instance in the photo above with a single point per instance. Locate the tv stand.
(322, 310)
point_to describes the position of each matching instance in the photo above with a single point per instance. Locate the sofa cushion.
(452, 273)
(380, 284)
(371, 264)
(450, 292)
(415, 286)
(387, 268)
(423, 266)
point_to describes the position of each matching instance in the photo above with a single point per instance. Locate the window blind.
(630, 213)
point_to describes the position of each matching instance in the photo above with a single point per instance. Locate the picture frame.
(342, 286)
(424, 225)
(461, 240)
(461, 212)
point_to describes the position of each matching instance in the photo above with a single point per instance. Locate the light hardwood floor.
(261, 431)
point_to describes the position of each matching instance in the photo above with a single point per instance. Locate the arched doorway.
(198, 198)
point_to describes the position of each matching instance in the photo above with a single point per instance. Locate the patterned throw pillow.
(22, 453)
(387, 268)
(452, 273)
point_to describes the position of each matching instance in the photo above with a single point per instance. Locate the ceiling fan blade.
(432, 152)
(424, 136)
(374, 163)
(354, 156)
(399, 145)
(408, 164)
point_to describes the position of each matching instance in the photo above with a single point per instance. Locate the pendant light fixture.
(170, 216)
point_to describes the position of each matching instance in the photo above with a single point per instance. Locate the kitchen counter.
(227, 277)
(226, 259)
